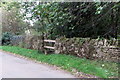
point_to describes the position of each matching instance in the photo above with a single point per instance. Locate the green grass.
(0, 47)
(69, 62)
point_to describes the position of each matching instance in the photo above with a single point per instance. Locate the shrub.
(6, 37)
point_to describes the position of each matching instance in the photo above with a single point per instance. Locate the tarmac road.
(16, 67)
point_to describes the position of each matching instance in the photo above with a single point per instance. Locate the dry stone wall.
(15, 40)
(28, 41)
(81, 47)
(89, 48)
(34, 42)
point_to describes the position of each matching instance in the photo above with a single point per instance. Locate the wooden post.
(48, 47)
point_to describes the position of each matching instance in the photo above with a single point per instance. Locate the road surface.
(16, 67)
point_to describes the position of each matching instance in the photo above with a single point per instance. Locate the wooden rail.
(50, 41)
(49, 47)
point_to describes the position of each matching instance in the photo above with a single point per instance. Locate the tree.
(12, 21)
(76, 19)
(49, 17)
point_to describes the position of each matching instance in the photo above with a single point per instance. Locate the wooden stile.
(49, 47)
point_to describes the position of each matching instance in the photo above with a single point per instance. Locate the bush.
(6, 37)
(118, 37)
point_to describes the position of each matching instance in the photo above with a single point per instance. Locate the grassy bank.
(68, 62)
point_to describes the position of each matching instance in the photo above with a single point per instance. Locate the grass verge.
(68, 62)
